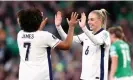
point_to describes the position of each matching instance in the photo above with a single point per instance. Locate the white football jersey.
(34, 50)
(94, 57)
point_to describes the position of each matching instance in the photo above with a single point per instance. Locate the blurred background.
(66, 64)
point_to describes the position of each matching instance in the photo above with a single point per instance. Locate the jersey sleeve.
(78, 38)
(113, 51)
(99, 39)
(52, 41)
(61, 32)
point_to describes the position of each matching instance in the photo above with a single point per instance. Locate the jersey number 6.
(87, 51)
(27, 45)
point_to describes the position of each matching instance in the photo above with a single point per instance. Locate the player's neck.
(96, 30)
(117, 39)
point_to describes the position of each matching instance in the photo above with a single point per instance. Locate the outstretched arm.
(96, 40)
(43, 23)
(58, 20)
(66, 44)
(61, 32)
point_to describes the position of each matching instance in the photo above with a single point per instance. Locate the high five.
(96, 44)
(34, 44)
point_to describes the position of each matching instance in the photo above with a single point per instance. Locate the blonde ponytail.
(104, 17)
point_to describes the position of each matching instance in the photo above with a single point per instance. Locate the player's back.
(124, 61)
(34, 55)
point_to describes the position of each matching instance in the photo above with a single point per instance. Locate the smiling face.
(94, 21)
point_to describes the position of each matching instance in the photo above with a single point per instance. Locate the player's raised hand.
(43, 23)
(58, 19)
(82, 21)
(73, 21)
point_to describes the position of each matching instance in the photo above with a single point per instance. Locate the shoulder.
(43, 33)
(81, 35)
(105, 34)
(46, 35)
(113, 47)
(20, 33)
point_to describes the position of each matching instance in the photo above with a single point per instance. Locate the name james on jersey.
(30, 36)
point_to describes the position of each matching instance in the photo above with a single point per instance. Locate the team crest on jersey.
(105, 35)
(54, 37)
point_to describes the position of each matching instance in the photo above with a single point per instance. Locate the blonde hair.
(102, 13)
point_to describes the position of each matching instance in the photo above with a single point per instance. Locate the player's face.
(94, 21)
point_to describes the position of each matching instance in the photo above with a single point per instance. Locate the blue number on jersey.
(87, 51)
(27, 51)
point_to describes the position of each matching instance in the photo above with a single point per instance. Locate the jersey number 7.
(27, 45)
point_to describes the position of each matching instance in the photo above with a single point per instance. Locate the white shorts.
(125, 78)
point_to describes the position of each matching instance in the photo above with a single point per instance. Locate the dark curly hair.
(30, 19)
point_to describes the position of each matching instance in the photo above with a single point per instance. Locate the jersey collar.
(99, 31)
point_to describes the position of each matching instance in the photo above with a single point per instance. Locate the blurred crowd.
(66, 64)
